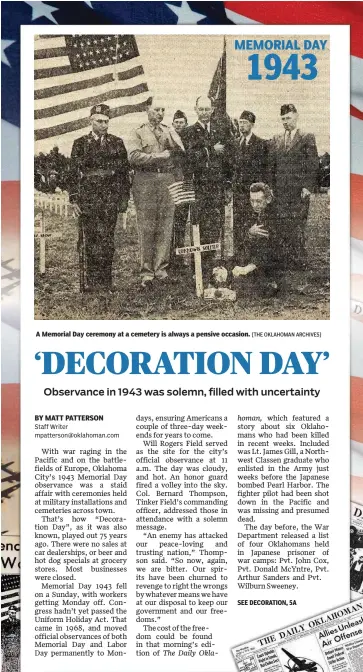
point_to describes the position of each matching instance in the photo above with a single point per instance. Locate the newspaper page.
(356, 550)
(185, 348)
(330, 642)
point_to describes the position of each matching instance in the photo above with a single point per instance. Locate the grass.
(57, 297)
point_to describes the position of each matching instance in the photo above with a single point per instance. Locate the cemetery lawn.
(303, 294)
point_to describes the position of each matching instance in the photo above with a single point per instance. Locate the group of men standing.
(270, 183)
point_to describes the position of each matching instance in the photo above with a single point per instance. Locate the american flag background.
(78, 71)
(182, 192)
(10, 593)
(10, 629)
(125, 88)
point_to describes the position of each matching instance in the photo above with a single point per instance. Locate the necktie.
(243, 142)
(158, 132)
(288, 140)
(206, 129)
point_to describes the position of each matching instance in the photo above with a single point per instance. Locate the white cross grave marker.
(197, 250)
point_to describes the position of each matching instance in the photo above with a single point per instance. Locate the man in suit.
(250, 167)
(259, 253)
(154, 152)
(293, 168)
(208, 158)
(99, 189)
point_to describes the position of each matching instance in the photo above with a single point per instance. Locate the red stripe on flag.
(356, 409)
(340, 13)
(356, 206)
(10, 209)
(355, 112)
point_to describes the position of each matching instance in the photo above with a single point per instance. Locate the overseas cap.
(179, 114)
(249, 116)
(101, 109)
(289, 107)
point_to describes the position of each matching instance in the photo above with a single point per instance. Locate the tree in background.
(51, 171)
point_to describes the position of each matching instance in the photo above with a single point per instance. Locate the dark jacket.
(99, 172)
(263, 251)
(250, 163)
(291, 170)
(201, 160)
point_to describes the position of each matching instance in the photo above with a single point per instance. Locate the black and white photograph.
(356, 560)
(10, 622)
(173, 181)
(299, 663)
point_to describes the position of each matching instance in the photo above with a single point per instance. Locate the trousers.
(209, 214)
(241, 210)
(98, 225)
(292, 220)
(155, 212)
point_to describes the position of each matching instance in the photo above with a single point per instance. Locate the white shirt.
(292, 135)
(247, 138)
(98, 137)
(205, 125)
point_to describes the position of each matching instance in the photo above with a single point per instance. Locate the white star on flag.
(43, 9)
(185, 14)
(4, 45)
(238, 18)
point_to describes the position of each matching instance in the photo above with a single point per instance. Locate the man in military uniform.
(180, 121)
(99, 189)
(154, 153)
(10, 641)
(293, 166)
(250, 167)
(209, 158)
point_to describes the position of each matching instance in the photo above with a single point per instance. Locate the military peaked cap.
(101, 109)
